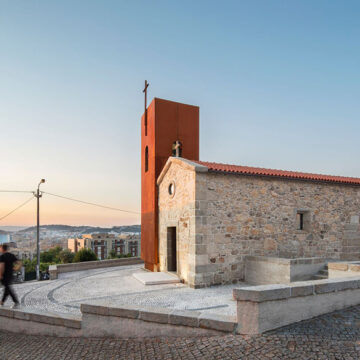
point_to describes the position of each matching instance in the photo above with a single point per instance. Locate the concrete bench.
(266, 307)
(261, 270)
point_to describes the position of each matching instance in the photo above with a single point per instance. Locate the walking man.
(7, 261)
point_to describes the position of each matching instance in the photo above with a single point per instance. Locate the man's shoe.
(1, 303)
(15, 306)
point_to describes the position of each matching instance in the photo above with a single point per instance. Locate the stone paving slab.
(117, 286)
(156, 278)
(334, 336)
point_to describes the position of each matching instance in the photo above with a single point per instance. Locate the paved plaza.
(332, 336)
(116, 286)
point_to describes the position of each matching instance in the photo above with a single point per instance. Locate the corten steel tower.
(167, 122)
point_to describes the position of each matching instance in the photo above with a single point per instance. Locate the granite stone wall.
(221, 218)
(178, 210)
(248, 215)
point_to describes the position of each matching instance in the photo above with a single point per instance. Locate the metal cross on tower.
(145, 111)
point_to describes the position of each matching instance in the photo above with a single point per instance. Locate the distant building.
(127, 244)
(19, 253)
(23, 255)
(103, 243)
(5, 238)
(76, 244)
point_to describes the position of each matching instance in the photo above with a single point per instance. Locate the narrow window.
(171, 189)
(300, 221)
(146, 159)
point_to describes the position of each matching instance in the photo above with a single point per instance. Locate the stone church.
(201, 219)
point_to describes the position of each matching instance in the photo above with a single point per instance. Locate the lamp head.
(42, 180)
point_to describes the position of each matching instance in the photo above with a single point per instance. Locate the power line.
(15, 191)
(90, 203)
(20, 206)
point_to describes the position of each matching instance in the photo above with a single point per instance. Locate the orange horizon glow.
(58, 211)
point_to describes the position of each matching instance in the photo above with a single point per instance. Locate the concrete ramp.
(156, 278)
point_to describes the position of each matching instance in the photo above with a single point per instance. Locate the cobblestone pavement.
(116, 286)
(332, 336)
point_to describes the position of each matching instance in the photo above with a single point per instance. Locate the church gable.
(181, 163)
(176, 202)
(176, 185)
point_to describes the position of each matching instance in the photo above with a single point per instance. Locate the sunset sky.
(277, 83)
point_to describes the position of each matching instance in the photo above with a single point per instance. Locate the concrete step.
(320, 277)
(156, 278)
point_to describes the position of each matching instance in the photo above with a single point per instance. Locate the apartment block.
(103, 243)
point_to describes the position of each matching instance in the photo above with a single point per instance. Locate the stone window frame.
(306, 219)
(168, 189)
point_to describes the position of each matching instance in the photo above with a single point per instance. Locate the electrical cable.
(89, 203)
(20, 206)
(16, 191)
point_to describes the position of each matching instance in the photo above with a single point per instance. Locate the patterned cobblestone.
(117, 286)
(332, 336)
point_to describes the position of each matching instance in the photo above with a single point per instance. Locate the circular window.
(171, 189)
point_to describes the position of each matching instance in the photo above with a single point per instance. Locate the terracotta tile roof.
(246, 170)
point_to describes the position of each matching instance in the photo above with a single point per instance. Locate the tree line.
(58, 255)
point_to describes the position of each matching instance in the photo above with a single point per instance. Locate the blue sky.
(277, 83)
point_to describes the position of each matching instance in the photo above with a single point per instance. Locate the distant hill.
(86, 229)
(10, 229)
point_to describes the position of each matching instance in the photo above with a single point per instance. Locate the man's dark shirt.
(8, 259)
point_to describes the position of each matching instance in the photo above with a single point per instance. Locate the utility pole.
(38, 196)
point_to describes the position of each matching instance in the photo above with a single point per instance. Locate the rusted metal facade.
(167, 122)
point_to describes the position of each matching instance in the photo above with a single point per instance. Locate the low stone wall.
(55, 270)
(39, 323)
(266, 307)
(344, 269)
(259, 309)
(302, 269)
(125, 322)
(260, 270)
(139, 322)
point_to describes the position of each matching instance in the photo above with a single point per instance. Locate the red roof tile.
(246, 170)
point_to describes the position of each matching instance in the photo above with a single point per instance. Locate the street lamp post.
(38, 196)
